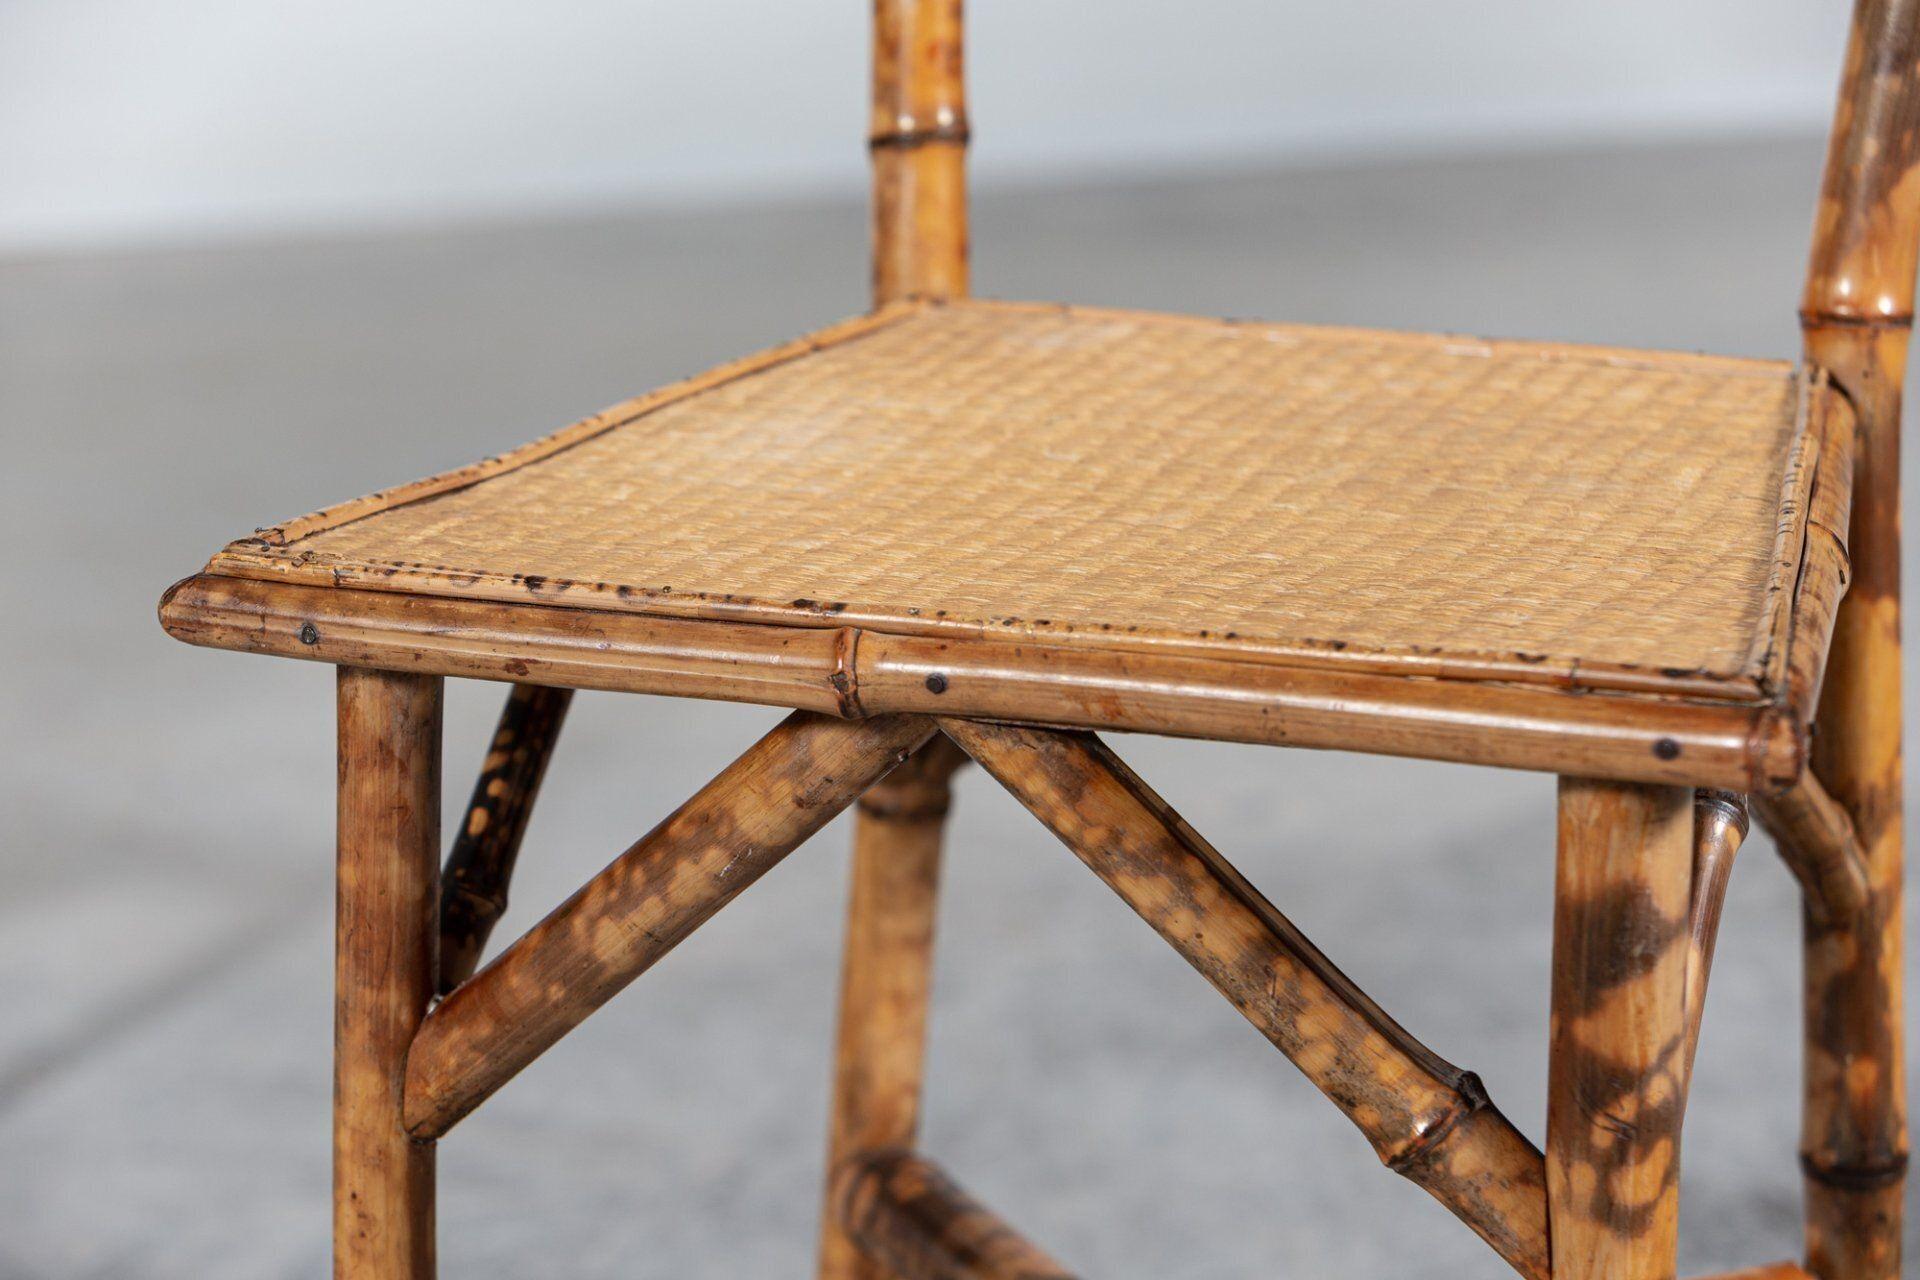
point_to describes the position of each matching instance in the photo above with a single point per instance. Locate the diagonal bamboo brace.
(1429, 1121)
(473, 887)
(906, 1214)
(1818, 843)
(760, 808)
(1719, 827)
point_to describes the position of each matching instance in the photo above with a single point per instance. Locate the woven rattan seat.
(1118, 480)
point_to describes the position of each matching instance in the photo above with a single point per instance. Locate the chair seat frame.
(1653, 803)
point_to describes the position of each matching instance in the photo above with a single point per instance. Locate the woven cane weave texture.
(1135, 480)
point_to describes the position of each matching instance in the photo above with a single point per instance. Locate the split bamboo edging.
(912, 1220)
(479, 870)
(757, 810)
(1429, 1121)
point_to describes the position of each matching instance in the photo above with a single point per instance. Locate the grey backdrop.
(131, 120)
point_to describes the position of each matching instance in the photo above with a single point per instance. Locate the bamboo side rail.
(1737, 747)
(1616, 1076)
(1719, 827)
(474, 883)
(886, 976)
(1429, 1121)
(389, 863)
(1774, 1271)
(1817, 841)
(914, 1223)
(850, 672)
(760, 808)
(1857, 312)
(539, 644)
(918, 138)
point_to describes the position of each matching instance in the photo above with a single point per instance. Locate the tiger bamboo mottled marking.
(912, 1222)
(757, 810)
(1720, 825)
(1774, 1271)
(389, 855)
(886, 975)
(918, 135)
(1857, 312)
(479, 870)
(1617, 1075)
(1428, 1120)
(1816, 840)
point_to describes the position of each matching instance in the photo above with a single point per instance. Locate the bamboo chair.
(954, 529)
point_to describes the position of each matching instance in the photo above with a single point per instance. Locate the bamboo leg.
(473, 888)
(1616, 1068)
(1719, 826)
(1854, 1116)
(1857, 311)
(885, 976)
(389, 848)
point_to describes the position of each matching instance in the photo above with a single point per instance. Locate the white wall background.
(142, 120)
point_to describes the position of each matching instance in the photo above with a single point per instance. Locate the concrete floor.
(165, 921)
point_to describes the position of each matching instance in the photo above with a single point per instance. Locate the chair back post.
(1867, 230)
(1857, 314)
(918, 138)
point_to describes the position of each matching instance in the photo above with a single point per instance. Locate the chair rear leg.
(389, 849)
(886, 976)
(1617, 1062)
(1854, 1122)
(473, 886)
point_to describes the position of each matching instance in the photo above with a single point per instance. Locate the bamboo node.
(955, 132)
(1855, 1177)
(1815, 317)
(845, 680)
(1729, 805)
(1470, 1095)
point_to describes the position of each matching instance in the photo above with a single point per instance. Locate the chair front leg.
(1617, 1062)
(389, 853)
